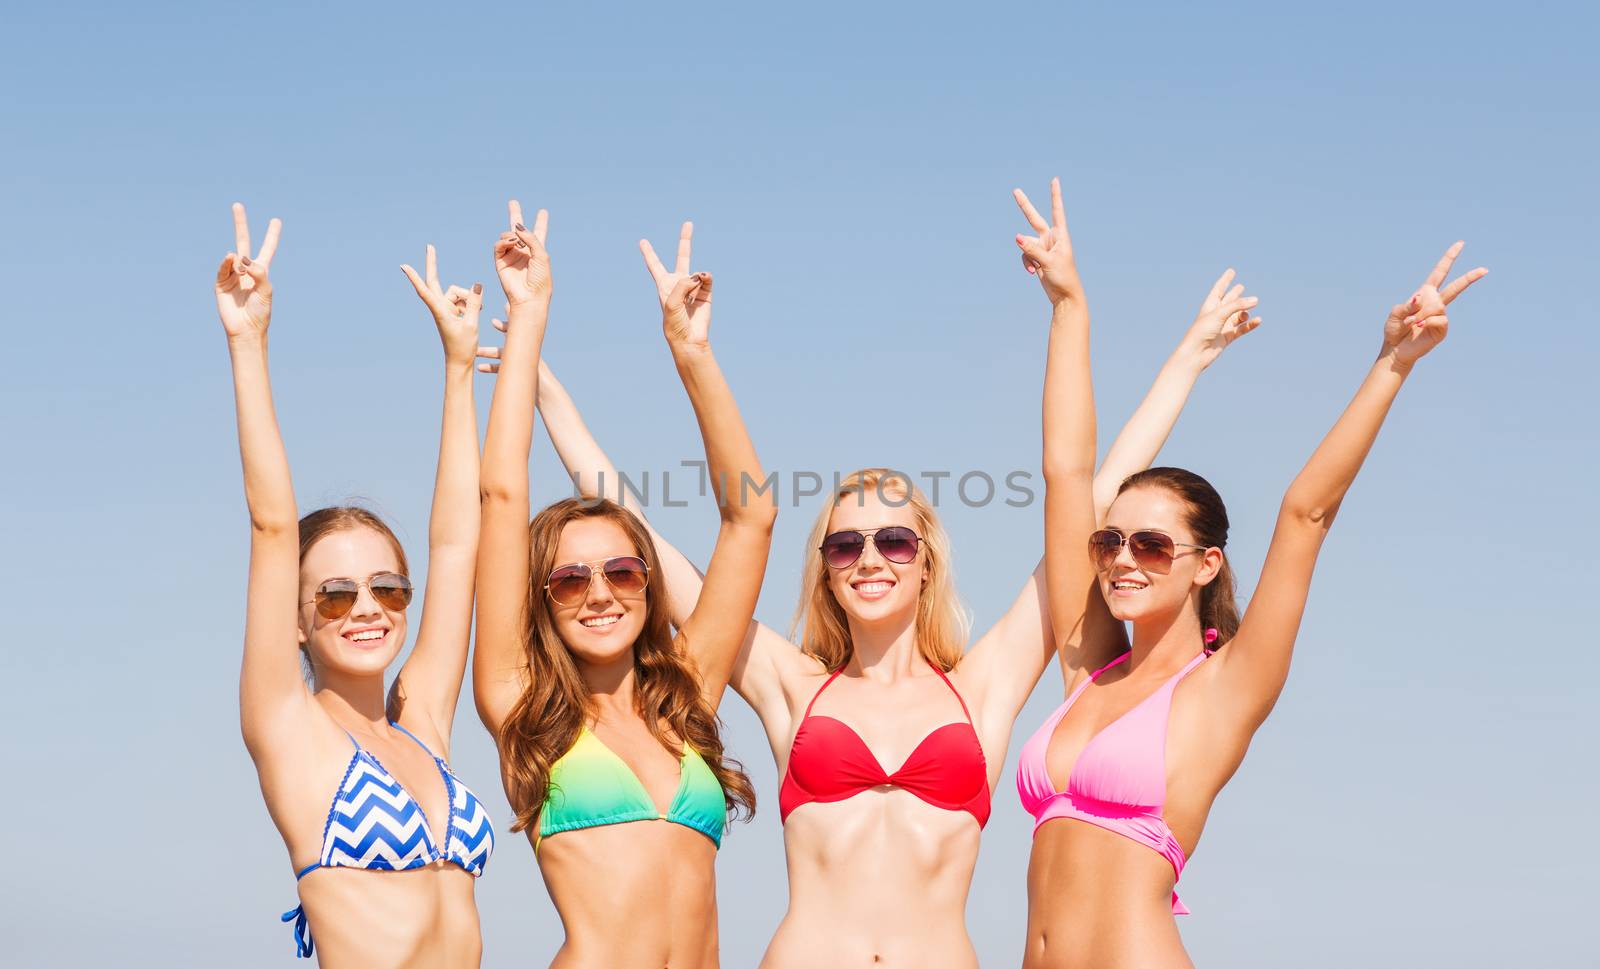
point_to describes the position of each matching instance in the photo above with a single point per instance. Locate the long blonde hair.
(942, 624)
(554, 706)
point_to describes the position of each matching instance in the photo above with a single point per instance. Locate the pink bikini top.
(1119, 781)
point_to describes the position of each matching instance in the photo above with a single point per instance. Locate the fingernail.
(477, 289)
(245, 260)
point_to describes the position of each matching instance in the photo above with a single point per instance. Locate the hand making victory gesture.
(1420, 324)
(244, 295)
(1223, 318)
(455, 311)
(685, 296)
(522, 260)
(1049, 254)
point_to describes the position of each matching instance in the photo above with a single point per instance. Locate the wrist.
(1389, 362)
(532, 304)
(690, 353)
(247, 342)
(1188, 359)
(1068, 310)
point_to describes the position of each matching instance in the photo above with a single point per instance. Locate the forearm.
(736, 476)
(1320, 487)
(1069, 419)
(1069, 432)
(268, 488)
(510, 435)
(1142, 438)
(586, 462)
(455, 518)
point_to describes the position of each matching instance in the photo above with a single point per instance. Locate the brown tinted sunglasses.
(336, 597)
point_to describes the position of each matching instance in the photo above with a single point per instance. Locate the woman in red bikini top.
(889, 739)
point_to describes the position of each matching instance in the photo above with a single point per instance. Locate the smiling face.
(365, 640)
(602, 628)
(873, 589)
(1135, 594)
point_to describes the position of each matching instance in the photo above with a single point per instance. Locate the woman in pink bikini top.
(1121, 777)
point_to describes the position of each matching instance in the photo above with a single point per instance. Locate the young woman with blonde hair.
(889, 737)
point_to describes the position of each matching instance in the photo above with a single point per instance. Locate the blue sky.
(848, 168)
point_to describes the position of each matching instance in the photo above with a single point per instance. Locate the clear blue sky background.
(1424, 791)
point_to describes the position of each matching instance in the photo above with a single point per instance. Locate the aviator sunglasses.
(896, 543)
(336, 597)
(568, 585)
(1152, 551)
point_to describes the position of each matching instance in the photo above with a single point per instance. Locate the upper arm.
(763, 657)
(1006, 662)
(499, 663)
(430, 681)
(717, 627)
(1254, 665)
(271, 689)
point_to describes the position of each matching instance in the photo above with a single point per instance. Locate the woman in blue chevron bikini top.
(355, 777)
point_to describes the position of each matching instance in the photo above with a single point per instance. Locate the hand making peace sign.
(244, 294)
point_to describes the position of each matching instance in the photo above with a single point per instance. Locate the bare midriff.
(640, 895)
(393, 919)
(878, 880)
(1097, 900)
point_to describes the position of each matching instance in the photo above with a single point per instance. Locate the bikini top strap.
(413, 737)
(1122, 658)
(1189, 667)
(952, 686)
(825, 684)
(1078, 690)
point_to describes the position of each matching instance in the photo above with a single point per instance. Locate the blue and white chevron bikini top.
(374, 824)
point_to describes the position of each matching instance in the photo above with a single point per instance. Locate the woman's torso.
(880, 877)
(627, 846)
(1097, 897)
(348, 812)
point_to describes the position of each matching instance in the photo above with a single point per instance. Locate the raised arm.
(1255, 663)
(430, 682)
(596, 477)
(498, 661)
(1009, 659)
(271, 693)
(1069, 440)
(764, 653)
(1223, 318)
(717, 627)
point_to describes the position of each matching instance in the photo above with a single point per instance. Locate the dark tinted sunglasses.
(896, 543)
(1152, 551)
(568, 585)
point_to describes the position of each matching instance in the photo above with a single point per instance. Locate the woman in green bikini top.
(591, 786)
(605, 720)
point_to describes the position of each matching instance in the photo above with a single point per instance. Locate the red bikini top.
(828, 761)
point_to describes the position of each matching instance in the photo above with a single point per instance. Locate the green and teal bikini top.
(591, 786)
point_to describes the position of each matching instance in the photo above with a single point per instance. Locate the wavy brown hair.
(555, 704)
(941, 622)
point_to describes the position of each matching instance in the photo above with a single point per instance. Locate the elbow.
(759, 516)
(1307, 511)
(492, 492)
(273, 526)
(1061, 469)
